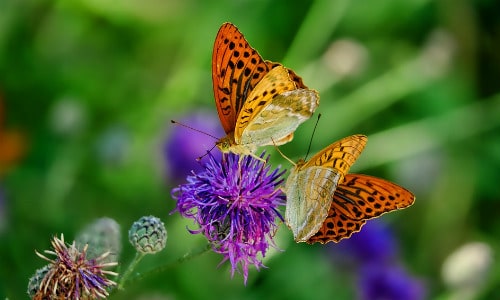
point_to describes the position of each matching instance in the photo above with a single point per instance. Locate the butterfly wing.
(274, 110)
(340, 155)
(310, 185)
(293, 76)
(236, 70)
(357, 199)
(308, 194)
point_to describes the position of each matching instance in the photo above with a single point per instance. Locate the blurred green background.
(89, 87)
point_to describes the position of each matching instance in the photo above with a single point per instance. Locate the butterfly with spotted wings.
(259, 102)
(325, 204)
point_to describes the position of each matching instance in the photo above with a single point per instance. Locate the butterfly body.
(259, 102)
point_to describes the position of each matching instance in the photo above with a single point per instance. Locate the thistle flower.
(235, 203)
(372, 254)
(389, 282)
(374, 244)
(72, 275)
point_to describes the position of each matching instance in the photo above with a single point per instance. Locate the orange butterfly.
(325, 204)
(259, 102)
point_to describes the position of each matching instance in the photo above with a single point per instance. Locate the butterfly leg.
(242, 156)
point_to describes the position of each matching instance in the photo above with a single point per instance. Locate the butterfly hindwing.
(311, 184)
(357, 199)
(274, 110)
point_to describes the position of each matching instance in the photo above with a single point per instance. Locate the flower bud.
(148, 235)
(103, 235)
(36, 280)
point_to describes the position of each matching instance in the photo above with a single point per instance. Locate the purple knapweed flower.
(388, 282)
(72, 275)
(184, 145)
(235, 203)
(372, 254)
(374, 243)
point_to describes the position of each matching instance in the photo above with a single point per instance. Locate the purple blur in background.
(184, 146)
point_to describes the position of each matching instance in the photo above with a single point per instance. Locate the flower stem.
(188, 256)
(131, 267)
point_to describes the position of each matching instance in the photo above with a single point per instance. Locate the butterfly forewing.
(360, 198)
(340, 155)
(236, 70)
(276, 123)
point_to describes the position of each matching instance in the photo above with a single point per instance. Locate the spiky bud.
(36, 280)
(148, 235)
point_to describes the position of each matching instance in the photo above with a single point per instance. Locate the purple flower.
(184, 145)
(388, 282)
(374, 243)
(72, 275)
(372, 254)
(235, 203)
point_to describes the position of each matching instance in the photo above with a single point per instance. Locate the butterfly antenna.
(312, 135)
(279, 151)
(197, 130)
(206, 153)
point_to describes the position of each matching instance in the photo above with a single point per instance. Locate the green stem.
(188, 256)
(131, 267)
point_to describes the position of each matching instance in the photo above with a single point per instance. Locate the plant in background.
(78, 269)
(372, 254)
(102, 235)
(467, 270)
(71, 274)
(36, 279)
(183, 145)
(388, 281)
(148, 236)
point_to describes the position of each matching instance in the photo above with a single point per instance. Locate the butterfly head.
(299, 163)
(225, 144)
